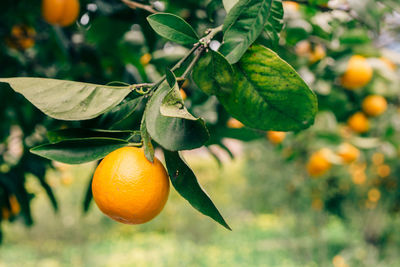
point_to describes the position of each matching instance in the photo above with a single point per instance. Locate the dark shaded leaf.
(82, 133)
(88, 197)
(79, 150)
(185, 182)
(173, 28)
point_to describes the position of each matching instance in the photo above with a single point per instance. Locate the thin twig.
(194, 61)
(135, 5)
(201, 46)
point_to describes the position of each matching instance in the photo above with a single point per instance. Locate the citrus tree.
(120, 78)
(148, 52)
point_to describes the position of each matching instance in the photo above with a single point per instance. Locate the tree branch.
(135, 5)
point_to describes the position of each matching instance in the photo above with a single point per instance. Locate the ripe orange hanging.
(129, 188)
(358, 73)
(60, 12)
(276, 137)
(318, 164)
(374, 105)
(358, 122)
(348, 152)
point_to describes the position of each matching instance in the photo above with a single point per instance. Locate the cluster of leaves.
(242, 79)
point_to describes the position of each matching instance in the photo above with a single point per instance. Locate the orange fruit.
(314, 54)
(383, 170)
(183, 94)
(60, 12)
(374, 195)
(15, 207)
(339, 261)
(291, 6)
(276, 137)
(303, 48)
(358, 122)
(318, 164)
(317, 54)
(22, 37)
(128, 188)
(67, 179)
(358, 73)
(378, 158)
(374, 105)
(317, 204)
(348, 152)
(5, 213)
(145, 59)
(234, 123)
(388, 63)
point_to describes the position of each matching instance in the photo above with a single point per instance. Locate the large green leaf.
(76, 151)
(83, 133)
(185, 182)
(244, 23)
(172, 132)
(213, 73)
(68, 100)
(173, 28)
(267, 93)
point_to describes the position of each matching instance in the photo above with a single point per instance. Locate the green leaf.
(212, 73)
(173, 106)
(170, 77)
(118, 113)
(212, 7)
(82, 133)
(80, 150)
(173, 28)
(68, 100)
(38, 167)
(88, 196)
(244, 23)
(147, 145)
(172, 133)
(268, 94)
(270, 35)
(185, 182)
(49, 191)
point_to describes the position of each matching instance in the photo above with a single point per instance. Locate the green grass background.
(270, 226)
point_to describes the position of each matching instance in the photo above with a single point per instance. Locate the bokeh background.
(347, 215)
